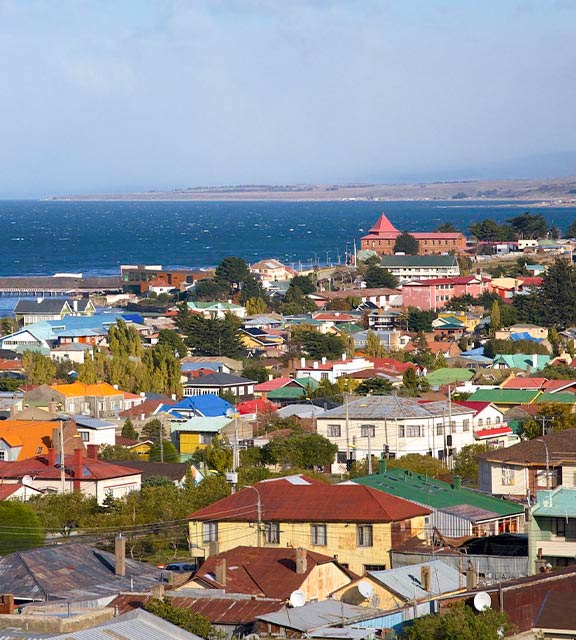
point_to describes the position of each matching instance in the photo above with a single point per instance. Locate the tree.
(233, 271)
(210, 337)
(253, 371)
(571, 230)
(186, 619)
(405, 243)
(460, 303)
(554, 340)
(375, 387)
(168, 453)
(446, 227)
(424, 465)
(527, 225)
(128, 430)
(460, 622)
(39, 369)
(376, 277)
(209, 289)
(304, 283)
(255, 306)
(117, 452)
(412, 383)
(153, 429)
(300, 450)
(318, 345)
(495, 323)
(157, 481)
(491, 231)
(21, 528)
(218, 455)
(557, 294)
(420, 320)
(174, 341)
(549, 417)
(373, 348)
(466, 462)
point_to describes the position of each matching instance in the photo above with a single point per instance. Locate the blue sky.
(101, 96)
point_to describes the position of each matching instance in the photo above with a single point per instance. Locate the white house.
(397, 426)
(332, 370)
(95, 431)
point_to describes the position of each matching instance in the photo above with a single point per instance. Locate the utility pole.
(547, 463)
(347, 426)
(258, 514)
(62, 465)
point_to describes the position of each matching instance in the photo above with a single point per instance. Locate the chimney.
(425, 578)
(382, 466)
(39, 300)
(158, 591)
(323, 359)
(302, 362)
(315, 364)
(220, 571)
(77, 469)
(92, 451)
(270, 377)
(534, 361)
(120, 555)
(51, 457)
(343, 357)
(7, 604)
(75, 305)
(301, 560)
(52, 408)
(471, 577)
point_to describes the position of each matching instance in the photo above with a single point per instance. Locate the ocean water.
(45, 237)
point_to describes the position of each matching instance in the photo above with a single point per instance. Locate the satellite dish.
(366, 589)
(27, 481)
(482, 601)
(297, 599)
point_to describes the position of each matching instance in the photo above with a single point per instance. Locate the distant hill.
(541, 190)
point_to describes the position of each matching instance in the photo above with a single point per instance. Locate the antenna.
(297, 599)
(366, 589)
(27, 481)
(482, 601)
(375, 601)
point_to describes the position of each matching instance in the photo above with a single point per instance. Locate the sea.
(95, 237)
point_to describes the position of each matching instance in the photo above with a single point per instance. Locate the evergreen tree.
(168, 453)
(557, 294)
(153, 430)
(174, 341)
(376, 277)
(21, 528)
(375, 387)
(233, 271)
(128, 430)
(255, 306)
(39, 369)
(195, 623)
(495, 323)
(405, 243)
(373, 348)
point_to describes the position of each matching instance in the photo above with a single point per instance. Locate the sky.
(103, 96)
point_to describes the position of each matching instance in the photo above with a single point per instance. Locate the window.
(401, 431)
(334, 430)
(210, 532)
(374, 567)
(38, 451)
(559, 527)
(488, 421)
(318, 534)
(324, 375)
(507, 476)
(439, 429)
(272, 532)
(2, 455)
(413, 431)
(480, 422)
(466, 425)
(364, 536)
(367, 430)
(497, 419)
(84, 436)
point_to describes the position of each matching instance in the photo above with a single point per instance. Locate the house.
(455, 510)
(504, 399)
(141, 447)
(258, 342)
(285, 512)
(271, 270)
(527, 331)
(197, 433)
(173, 471)
(396, 426)
(204, 406)
(218, 383)
(85, 474)
(41, 309)
(383, 319)
(448, 348)
(273, 573)
(490, 426)
(422, 267)
(262, 389)
(433, 294)
(530, 466)
(71, 352)
(448, 376)
(220, 364)
(95, 430)
(391, 340)
(137, 278)
(22, 439)
(382, 237)
(508, 288)
(72, 572)
(552, 528)
(101, 400)
(214, 310)
(332, 370)
(18, 491)
(524, 384)
(379, 297)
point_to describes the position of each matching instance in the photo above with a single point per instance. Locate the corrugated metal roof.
(407, 581)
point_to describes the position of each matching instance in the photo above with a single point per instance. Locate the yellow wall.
(341, 540)
(189, 442)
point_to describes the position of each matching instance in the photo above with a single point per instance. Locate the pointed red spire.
(383, 225)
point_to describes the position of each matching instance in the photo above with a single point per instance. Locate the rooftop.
(561, 446)
(504, 396)
(397, 261)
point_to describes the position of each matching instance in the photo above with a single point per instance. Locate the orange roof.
(383, 225)
(79, 389)
(34, 436)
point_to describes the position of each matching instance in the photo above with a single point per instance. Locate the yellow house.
(353, 523)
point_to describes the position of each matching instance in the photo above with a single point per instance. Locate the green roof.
(559, 503)
(308, 382)
(439, 495)
(504, 396)
(448, 376)
(350, 327)
(419, 261)
(561, 398)
(521, 360)
(288, 393)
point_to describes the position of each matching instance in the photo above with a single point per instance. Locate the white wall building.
(332, 370)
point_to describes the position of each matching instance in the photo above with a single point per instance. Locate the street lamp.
(259, 513)
(547, 462)
(368, 431)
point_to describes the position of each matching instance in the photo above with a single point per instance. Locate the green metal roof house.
(510, 397)
(456, 510)
(447, 375)
(556, 398)
(525, 362)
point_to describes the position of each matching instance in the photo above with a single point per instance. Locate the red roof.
(492, 433)
(266, 571)
(272, 385)
(556, 385)
(10, 365)
(383, 225)
(256, 406)
(391, 364)
(532, 281)
(301, 499)
(6, 490)
(477, 406)
(524, 383)
(92, 469)
(229, 610)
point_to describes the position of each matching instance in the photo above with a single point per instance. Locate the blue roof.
(523, 335)
(194, 366)
(209, 405)
(92, 423)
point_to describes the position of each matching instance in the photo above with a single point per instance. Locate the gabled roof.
(524, 383)
(80, 389)
(71, 571)
(406, 581)
(276, 383)
(383, 225)
(435, 494)
(33, 436)
(43, 305)
(561, 398)
(174, 471)
(561, 446)
(504, 396)
(147, 408)
(553, 386)
(301, 499)
(477, 406)
(265, 571)
(207, 405)
(449, 375)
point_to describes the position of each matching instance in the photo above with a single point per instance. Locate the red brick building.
(383, 234)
